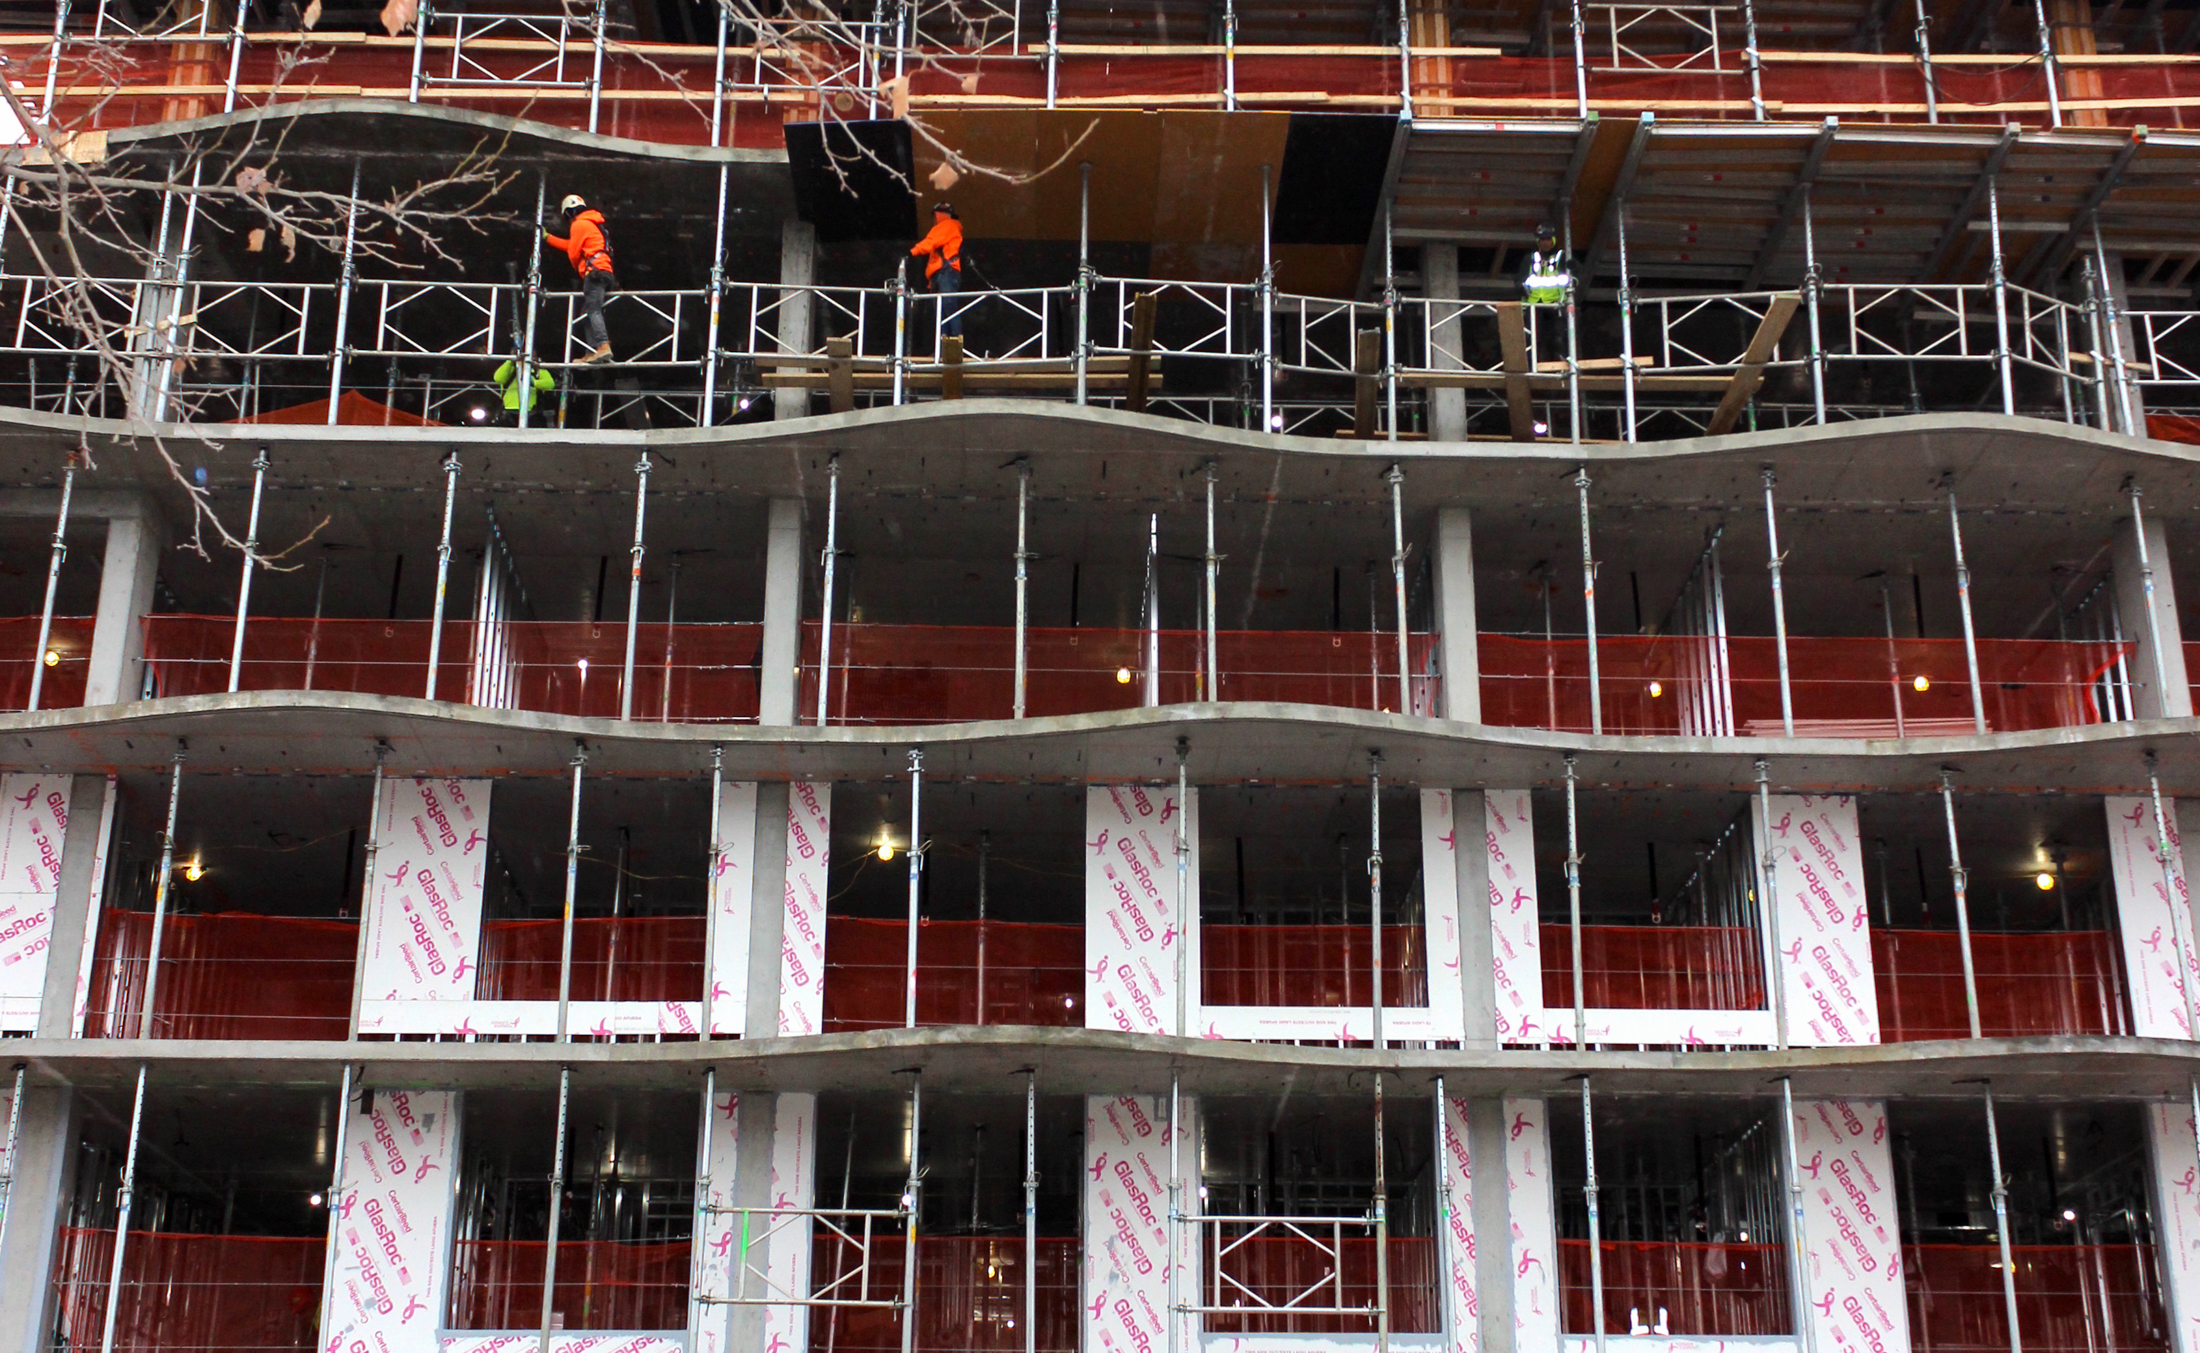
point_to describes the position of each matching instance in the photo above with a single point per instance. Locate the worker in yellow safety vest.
(1549, 273)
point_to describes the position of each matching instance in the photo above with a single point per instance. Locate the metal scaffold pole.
(1773, 562)
(901, 331)
(244, 577)
(712, 888)
(1573, 907)
(442, 571)
(2000, 281)
(825, 609)
(1213, 564)
(916, 883)
(334, 1198)
(161, 888)
(699, 1303)
(15, 1137)
(1268, 304)
(1405, 58)
(1396, 478)
(1054, 43)
(366, 887)
(1813, 289)
(2054, 96)
(1084, 276)
(125, 1199)
(634, 587)
(349, 274)
(1173, 1251)
(1626, 326)
(1390, 324)
(1153, 611)
(1925, 63)
(2154, 614)
(2001, 1221)
(1751, 58)
(595, 72)
(1184, 920)
(557, 1192)
(1591, 1196)
(2112, 328)
(1229, 56)
(1970, 632)
(60, 552)
(525, 373)
(1375, 906)
(1768, 909)
(1589, 603)
(1798, 1246)
(910, 1206)
(1961, 879)
(573, 849)
(1031, 1211)
(1573, 332)
(1023, 586)
(1581, 90)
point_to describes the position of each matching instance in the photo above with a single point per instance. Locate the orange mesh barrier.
(553, 667)
(602, 1284)
(1703, 1289)
(970, 1295)
(623, 958)
(1280, 1266)
(1840, 687)
(1034, 974)
(230, 975)
(63, 688)
(1324, 965)
(2070, 1298)
(190, 1293)
(955, 673)
(1656, 967)
(2057, 983)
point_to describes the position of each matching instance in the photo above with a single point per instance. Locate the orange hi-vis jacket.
(944, 244)
(588, 249)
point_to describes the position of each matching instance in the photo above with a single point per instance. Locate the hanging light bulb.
(194, 871)
(885, 847)
(53, 657)
(1656, 689)
(1923, 683)
(2046, 880)
(1122, 676)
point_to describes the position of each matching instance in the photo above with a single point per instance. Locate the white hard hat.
(572, 202)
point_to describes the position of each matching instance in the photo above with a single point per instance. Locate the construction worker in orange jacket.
(941, 250)
(588, 247)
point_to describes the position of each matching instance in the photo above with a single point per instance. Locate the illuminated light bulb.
(1122, 676)
(584, 667)
(1923, 683)
(2046, 881)
(885, 847)
(2069, 1215)
(53, 657)
(1656, 689)
(314, 1200)
(194, 871)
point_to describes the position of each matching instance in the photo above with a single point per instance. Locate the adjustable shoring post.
(161, 889)
(1961, 879)
(60, 552)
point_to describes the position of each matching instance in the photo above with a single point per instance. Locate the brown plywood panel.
(1209, 188)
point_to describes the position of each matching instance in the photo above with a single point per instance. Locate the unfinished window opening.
(1286, 1193)
(971, 1255)
(2041, 906)
(1000, 906)
(260, 931)
(1691, 1217)
(640, 893)
(624, 1219)
(1669, 913)
(1284, 898)
(228, 1224)
(2080, 1228)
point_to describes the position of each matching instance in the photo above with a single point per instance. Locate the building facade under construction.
(1507, 678)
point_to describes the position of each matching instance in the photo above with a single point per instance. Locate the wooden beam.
(951, 360)
(1751, 372)
(1367, 367)
(1143, 307)
(840, 381)
(1791, 204)
(1512, 340)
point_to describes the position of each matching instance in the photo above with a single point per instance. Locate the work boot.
(601, 354)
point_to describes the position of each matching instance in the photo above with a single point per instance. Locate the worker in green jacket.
(515, 398)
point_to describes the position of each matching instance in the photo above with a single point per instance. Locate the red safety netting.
(970, 1295)
(2070, 1298)
(622, 958)
(698, 673)
(1325, 965)
(954, 673)
(1034, 974)
(190, 1293)
(70, 640)
(1279, 1266)
(352, 410)
(602, 1284)
(230, 975)
(1700, 1288)
(2056, 983)
(1656, 967)
(1858, 687)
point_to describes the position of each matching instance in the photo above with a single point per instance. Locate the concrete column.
(134, 543)
(1492, 1218)
(2131, 605)
(1457, 653)
(1440, 282)
(45, 1175)
(780, 679)
(74, 906)
(1477, 979)
(767, 913)
(797, 268)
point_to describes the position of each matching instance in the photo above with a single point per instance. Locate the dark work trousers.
(596, 287)
(945, 283)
